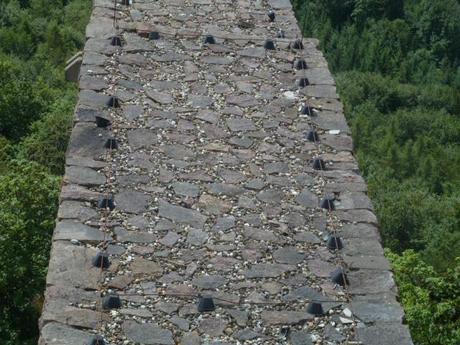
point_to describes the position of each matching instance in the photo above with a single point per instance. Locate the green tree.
(431, 300)
(28, 204)
(19, 106)
(47, 142)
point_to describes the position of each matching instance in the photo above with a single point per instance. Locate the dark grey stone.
(384, 334)
(160, 97)
(133, 236)
(83, 176)
(132, 112)
(71, 266)
(276, 168)
(197, 237)
(191, 339)
(246, 334)
(306, 236)
(87, 140)
(224, 189)
(93, 99)
(181, 215)
(271, 196)
(76, 210)
(303, 292)
(209, 282)
(186, 189)
(307, 199)
(370, 312)
(370, 281)
(284, 317)
(241, 317)
(198, 101)
(213, 326)
(224, 223)
(132, 201)
(255, 184)
(55, 333)
(242, 101)
(241, 125)
(300, 338)
(141, 138)
(288, 255)
(68, 230)
(332, 334)
(180, 152)
(267, 270)
(147, 333)
(252, 52)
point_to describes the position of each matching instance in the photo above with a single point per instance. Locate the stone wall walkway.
(214, 189)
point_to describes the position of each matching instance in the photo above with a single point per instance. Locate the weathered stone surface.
(267, 270)
(147, 333)
(76, 210)
(191, 339)
(307, 199)
(242, 101)
(197, 237)
(68, 230)
(224, 189)
(212, 326)
(214, 205)
(87, 141)
(288, 255)
(170, 239)
(284, 317)
(240, 125)
(186, 189)
(371, 281)
(320, 268)
(385, 333)
(209, 282)
(141, 138)
(132, 201)
(271, 196)
(55, 333)
(83, 176)
(160, 97)
(142, 266)
(300, 338)
(70, 266)
(224, 223)
(181, 214)
(370, 312)
(303, 292)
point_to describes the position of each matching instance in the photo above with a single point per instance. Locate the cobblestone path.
(215, 187)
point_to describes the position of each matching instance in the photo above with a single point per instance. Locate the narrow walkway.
(214, 187)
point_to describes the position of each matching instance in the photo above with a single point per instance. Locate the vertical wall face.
(216, 188)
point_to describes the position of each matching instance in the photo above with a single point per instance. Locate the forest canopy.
(397, 67)
(36, 104)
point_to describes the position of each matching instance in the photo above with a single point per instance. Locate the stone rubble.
(214, 190)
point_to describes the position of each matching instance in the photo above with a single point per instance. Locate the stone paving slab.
(213, 188)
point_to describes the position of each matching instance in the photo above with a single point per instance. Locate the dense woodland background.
(36, 105)
(397, 66)
(397, 69)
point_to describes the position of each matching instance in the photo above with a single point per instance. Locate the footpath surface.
(213, 189)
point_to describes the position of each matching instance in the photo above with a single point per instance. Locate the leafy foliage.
(432, 300)
(28, 204)
(397, 64)
(49, 137)
(36, 103)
